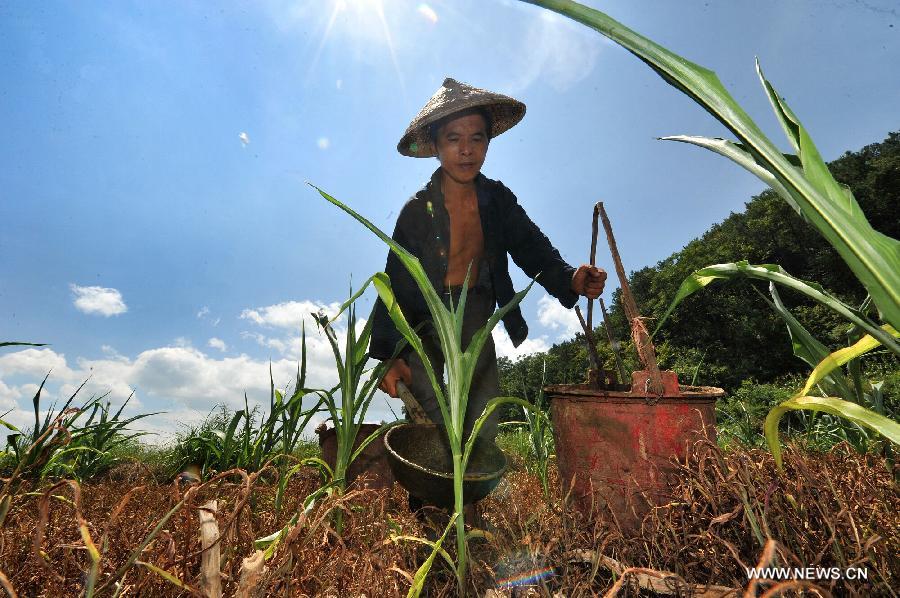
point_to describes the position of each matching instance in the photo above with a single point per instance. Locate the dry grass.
(837, 509)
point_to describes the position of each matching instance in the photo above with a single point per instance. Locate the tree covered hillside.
(726, 333)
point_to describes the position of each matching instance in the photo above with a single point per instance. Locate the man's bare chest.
(466, 235)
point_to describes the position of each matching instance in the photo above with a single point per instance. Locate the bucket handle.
(639, 334)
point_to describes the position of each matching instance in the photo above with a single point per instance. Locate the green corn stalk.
(541, 436)
(418, 584)
(825, 375)
(459, 363)
(349, 411)
(811, 350)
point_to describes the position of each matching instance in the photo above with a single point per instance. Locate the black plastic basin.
(419, 456)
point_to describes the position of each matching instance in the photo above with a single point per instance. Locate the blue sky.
(155, 224)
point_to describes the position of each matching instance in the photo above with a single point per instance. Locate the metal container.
(371, 464)
(420, 458)
(614, 448)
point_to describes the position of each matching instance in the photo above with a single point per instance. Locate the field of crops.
(244, 505)
(730, 511)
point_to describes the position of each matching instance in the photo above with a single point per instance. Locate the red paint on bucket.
(614, 449)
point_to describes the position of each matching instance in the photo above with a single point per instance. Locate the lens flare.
(526, 578)
(428, 13)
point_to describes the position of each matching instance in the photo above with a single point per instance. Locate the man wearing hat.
(462, 219)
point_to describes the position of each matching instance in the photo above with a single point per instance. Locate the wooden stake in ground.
(252, 569)
(210, 561)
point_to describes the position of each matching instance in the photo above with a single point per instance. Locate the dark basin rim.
(469, 477)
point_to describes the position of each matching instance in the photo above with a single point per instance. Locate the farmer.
(461, 218)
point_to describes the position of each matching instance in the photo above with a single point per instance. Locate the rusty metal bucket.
(371, 465)
(420, 458)
(615, 449)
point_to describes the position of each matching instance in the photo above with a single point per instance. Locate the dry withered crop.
(729, 511)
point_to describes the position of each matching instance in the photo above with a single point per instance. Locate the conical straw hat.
(453, 97)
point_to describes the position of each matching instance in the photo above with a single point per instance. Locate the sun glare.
(365, 20)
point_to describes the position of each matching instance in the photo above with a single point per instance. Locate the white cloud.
(204, 311)
(180, 379)
(9, 396)
(35, 363)
(505, 347)
(323, 143)
(555, 50)
(556, 317)
(289, 314)
(217, 343)
(98, 300)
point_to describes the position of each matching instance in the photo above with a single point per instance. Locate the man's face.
(461, 146)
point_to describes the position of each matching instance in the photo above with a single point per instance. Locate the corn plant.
(228, 440)
(348, 412)
(802, 179)
(99, 438)
(538, 433)
(244, 439)
(459, 364)
(60, 445)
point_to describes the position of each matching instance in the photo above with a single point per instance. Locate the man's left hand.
(588, 281)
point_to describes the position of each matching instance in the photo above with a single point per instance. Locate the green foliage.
(776, 274)
(348, 411)
(735, 333)
(244, 439)
(248, 439)
(532, 439)
(740, 416)
(802, 180)
(77, 442)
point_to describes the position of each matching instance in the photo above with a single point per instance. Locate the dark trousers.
(485, 380)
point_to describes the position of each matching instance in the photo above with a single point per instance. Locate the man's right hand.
(398, 371)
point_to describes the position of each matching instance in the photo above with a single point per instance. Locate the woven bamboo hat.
(453, 97)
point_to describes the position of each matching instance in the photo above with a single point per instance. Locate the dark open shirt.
(423, 229)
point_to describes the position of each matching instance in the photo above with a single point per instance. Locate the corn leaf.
(809, 349)
(422, 573)
(835, 360)
(459, 365)
(20, 344)
(831, 405)
(775, 273)
(736, 153)
(873, 257)
(169, 577)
